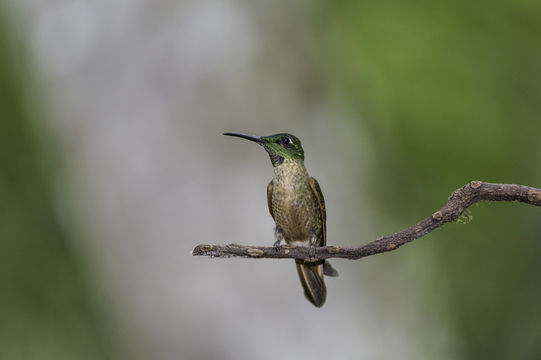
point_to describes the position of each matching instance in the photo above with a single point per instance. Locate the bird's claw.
(312, 250)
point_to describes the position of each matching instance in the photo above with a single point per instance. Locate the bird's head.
(280, 147)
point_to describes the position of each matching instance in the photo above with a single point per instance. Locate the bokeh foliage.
(46, 306)
(450, 92)
(447, 92)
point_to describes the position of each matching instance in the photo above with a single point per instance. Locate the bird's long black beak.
(256, 139)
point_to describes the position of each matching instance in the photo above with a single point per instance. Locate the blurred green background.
(451, 92)
(47, 309)
(112, 169)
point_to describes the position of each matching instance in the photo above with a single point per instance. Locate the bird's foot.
(278, 235)
(312, 251)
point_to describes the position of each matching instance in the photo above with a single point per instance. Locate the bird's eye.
(284, 140)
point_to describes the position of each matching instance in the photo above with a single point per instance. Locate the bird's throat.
(276, 159)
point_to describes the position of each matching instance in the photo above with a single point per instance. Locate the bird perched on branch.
(296, 204)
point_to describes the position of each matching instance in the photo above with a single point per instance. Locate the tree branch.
(458, 202)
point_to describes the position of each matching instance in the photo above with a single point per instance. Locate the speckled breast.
(294, 205)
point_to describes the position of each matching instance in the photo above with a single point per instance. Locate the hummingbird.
(297, 206)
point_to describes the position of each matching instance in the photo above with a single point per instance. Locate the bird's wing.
(269, 197)
(327, 268)
(319, 196)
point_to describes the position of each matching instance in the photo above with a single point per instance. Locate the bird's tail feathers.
(329, 270)
(311, 276)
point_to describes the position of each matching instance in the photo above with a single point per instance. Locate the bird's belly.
(294, 215)
(295, 225)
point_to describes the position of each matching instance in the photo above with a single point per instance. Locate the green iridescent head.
(280, 147)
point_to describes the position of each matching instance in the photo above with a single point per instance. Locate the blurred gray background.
(113, 168)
